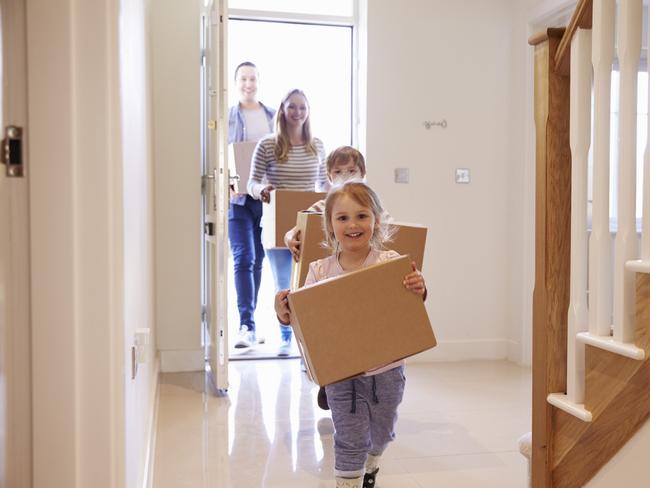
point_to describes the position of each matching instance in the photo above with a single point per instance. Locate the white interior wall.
(464, 63)
(138, 244)
(177, 180)
(90, 198)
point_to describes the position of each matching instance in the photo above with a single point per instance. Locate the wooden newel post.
(552, 247)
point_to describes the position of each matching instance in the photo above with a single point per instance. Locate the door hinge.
(11, 151)
(209, 228)
(212, 124)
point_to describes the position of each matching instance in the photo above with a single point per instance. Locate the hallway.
(458, 427)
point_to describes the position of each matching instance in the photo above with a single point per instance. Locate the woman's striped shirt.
(302, 170)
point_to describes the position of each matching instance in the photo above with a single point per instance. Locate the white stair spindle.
(629, 32)
(600, 276)
(579, 138)
(645, 239)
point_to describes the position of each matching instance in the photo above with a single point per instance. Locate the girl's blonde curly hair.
(365, 196)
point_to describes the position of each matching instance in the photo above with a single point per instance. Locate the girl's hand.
(265, 194)
(282, 309)
(415, 282)
(294, 245)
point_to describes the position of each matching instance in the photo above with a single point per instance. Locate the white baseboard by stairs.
(479, 349)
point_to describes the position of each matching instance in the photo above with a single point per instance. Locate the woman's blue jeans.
(280, 260)
(245, 235)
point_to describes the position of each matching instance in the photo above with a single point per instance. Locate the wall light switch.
(462, 175)
(401, 175)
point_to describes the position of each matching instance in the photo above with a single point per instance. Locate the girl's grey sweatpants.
(364, 412)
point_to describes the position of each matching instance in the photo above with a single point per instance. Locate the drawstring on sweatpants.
(375, 398)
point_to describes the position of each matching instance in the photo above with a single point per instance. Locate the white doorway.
(315, 52)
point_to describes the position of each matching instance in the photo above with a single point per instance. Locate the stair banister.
(579, 137)
(629, 34)
(600, 275)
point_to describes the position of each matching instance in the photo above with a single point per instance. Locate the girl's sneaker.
(348, 482)
(369, 479)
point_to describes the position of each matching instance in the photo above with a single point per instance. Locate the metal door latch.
(11, 151)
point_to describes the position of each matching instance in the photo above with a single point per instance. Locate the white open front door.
(216, 194)
(15, 350)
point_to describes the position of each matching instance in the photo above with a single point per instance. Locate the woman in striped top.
(290, 159)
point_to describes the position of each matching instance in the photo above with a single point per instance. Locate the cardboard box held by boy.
(408, 239)
(359, 321)
(280, 214)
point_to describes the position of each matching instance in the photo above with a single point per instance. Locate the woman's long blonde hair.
(282, 143)
(365, 196)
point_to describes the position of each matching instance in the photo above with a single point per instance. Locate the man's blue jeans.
(245, 236)
(280, 260)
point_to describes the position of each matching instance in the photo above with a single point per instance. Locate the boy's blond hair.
(365, 196)
(344, 154)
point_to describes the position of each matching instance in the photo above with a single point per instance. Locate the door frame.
(15, 325)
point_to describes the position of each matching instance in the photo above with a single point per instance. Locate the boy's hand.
(282, 309)
(293, 243)
(415, 282)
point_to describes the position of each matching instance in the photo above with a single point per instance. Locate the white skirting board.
(178, 361)
(479, 349)
(150, 455)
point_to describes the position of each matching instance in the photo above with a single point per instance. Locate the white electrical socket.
(141, 341)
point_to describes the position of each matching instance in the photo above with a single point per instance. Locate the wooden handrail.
(581, 19)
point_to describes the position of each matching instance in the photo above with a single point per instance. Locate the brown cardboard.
(359, 321)
(310, 225)
(280, 214)
(240, 157)
(409, 239)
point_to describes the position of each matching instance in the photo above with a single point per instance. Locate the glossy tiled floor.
(458, 427)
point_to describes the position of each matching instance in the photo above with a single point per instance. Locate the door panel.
(216, 196)
(15, 356)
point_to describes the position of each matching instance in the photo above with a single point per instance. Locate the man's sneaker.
(285, 349)
(369, 479)
(245, 338)
(321, 399)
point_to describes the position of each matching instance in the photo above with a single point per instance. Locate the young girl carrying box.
(364, 408)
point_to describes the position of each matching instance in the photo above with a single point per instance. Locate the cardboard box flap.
(359, 321)
(310, 225)
(240, 156)
(409, 239)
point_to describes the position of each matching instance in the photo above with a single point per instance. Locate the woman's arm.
(260, 161)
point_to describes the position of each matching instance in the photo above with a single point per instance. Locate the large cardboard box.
(312, 237)
(359, 321)
(240, 155)
(408, 239)
(280, 214)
